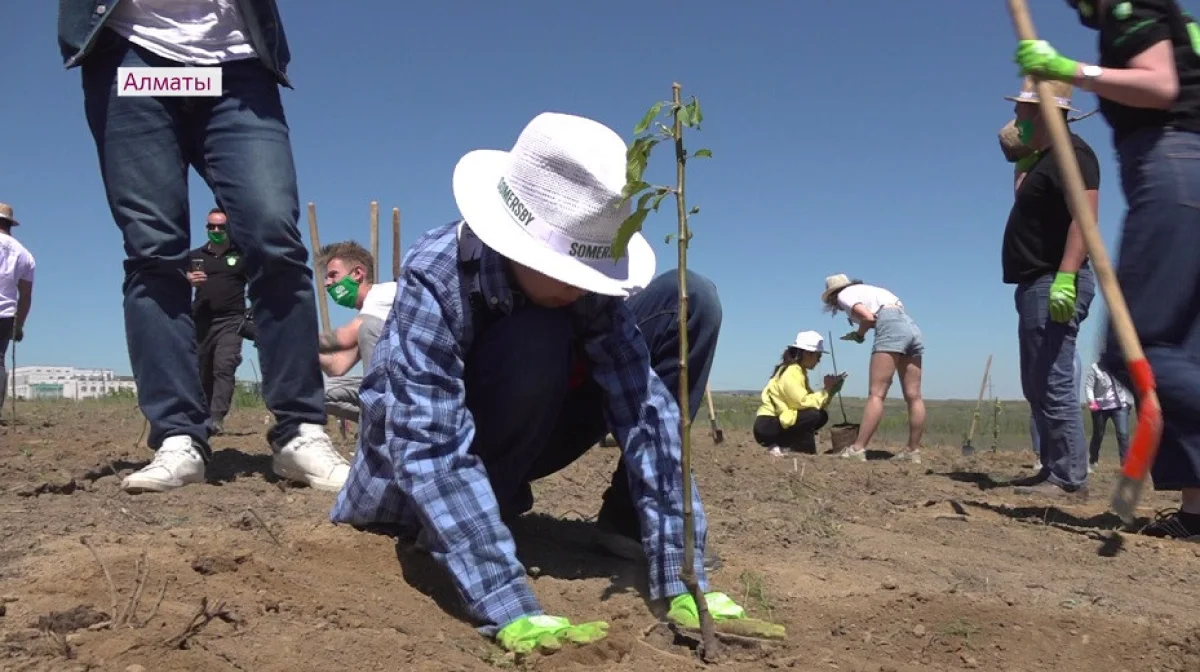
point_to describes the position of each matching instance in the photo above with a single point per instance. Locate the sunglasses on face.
(215, 227)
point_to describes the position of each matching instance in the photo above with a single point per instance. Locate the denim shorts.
(897, 333)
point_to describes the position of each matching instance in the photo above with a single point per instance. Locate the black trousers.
(220, 353)
(800, 437)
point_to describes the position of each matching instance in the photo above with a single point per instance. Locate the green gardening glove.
(1037, 58)
(853, 336)
(1062, 297)
(18, 334)
(727, 616)
(547, 634)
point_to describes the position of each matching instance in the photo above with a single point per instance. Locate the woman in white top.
(898, 347)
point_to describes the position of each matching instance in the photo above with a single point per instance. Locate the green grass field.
(946, 422)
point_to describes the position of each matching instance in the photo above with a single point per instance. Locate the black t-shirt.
(224, 293)
(1124, 35)
(1036, 233)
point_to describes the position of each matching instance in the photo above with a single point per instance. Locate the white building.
(66, 382)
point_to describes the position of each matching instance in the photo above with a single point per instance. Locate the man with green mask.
(218, 273)
(350, 280)
(1044, 256)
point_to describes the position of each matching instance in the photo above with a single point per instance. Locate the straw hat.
(553, 204)
(835, 284)
(6, 213)
(1060, 90)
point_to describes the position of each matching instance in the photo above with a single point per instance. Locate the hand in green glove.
(1039, 59)
(547, 633)
(1023, 165)
(1062, 297)
(727, 616)
(853, 336)
(18, 333)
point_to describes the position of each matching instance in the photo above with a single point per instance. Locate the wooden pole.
(318, 272)
(375, 238)
(395, 243)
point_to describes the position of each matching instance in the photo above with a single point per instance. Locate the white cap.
(810, 341)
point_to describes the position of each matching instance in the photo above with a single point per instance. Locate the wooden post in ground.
(375, 239)
(318, 272)
(395, 243)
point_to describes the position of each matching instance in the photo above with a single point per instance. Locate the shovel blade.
(967, 449)
(1126, 498)
(718, 435)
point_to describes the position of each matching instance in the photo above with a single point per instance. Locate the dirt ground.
(872, 567)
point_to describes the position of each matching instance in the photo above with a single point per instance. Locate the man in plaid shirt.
(474, 389)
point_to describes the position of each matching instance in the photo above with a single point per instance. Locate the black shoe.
(621, 536)
(1174, 524)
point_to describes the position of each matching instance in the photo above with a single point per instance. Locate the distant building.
(66, 382)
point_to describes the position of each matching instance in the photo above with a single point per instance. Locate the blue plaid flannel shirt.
(413, 468)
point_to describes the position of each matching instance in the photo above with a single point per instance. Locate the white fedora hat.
(810, 341)
(553, 204)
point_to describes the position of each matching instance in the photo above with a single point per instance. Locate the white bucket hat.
(809, 341)
(553, 204)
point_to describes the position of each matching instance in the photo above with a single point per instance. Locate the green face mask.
(344, 292)
(1025, 130)
(218, 237)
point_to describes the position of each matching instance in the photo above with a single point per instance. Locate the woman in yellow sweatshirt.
(791, 413)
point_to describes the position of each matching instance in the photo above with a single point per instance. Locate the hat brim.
(10, 220)
(827, 294)
(475, 180)
(1035, 101)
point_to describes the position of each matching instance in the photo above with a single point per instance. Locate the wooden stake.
(395, 243)
(318, 272)
(375, 238)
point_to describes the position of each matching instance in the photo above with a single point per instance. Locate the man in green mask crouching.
(350, 280)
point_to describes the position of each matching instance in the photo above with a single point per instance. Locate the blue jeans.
(1035, 439)
(1120, 420)
(1158, 267)
(897, 333)
(239, 144)
(1049, 375)
(526, 428)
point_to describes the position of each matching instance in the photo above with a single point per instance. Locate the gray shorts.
(897, 333)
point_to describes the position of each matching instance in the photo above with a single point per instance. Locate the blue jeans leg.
(239, 145)
(142, 145)
(1120, 419)
(1048, 377)
(1158, 268)
(1099, 424)
(246, 153)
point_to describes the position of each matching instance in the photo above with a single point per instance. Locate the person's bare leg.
(883, 368)
(910, 383)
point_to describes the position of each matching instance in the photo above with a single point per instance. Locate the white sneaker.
(310, 458)
(176, 463)
(852, 453)
(913, 456)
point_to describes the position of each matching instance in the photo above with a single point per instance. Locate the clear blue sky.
(854, 136)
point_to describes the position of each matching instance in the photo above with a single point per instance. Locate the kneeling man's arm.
(645, 422)
(428, 435)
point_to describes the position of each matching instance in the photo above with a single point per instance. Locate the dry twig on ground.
(203, 616)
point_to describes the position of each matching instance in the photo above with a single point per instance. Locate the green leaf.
(695, 210)
(644, 124)
(667, 240)
(631, 225)
(636, 158)
(632, 189)
(658, 198)
(702, 154)
(697, 115)
(666, 130)
(688, 115)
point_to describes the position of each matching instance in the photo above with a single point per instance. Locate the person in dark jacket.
(218, 272)
(236, 136)
(1148, 83)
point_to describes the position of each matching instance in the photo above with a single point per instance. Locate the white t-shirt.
(196, 32)
(379, 300)
(16, 264)
(872, 298)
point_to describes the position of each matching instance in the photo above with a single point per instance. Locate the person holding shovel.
(472, 394)
(17, 267)
(791, 413)
(1148, 83)
(898, 348)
